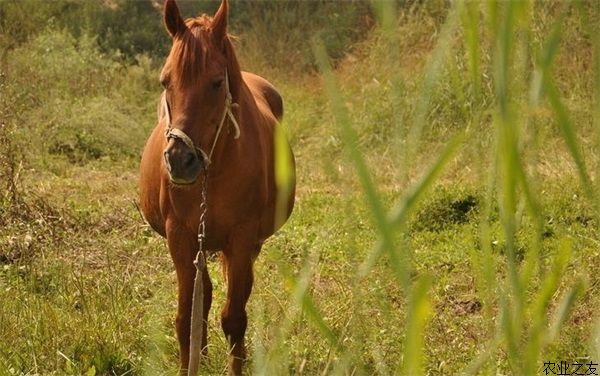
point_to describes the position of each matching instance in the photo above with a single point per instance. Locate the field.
(447, 212)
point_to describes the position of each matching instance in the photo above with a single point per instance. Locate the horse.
(212, 154)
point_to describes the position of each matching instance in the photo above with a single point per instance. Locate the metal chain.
(203, 210)
(202, 223)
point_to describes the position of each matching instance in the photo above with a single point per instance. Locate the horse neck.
(228, 149)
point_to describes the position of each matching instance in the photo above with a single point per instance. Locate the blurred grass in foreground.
(519, 309)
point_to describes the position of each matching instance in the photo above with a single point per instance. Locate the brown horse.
(215, 132)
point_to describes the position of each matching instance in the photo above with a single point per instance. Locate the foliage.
(131, 27)
(447, 208)
(67, 110)
(297, 23)
(135, 27)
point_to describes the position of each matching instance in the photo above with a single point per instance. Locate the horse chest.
(230, 202)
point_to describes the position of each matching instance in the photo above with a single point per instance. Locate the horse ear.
(173, 20)
(219, 23)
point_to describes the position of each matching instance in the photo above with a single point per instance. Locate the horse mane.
(233, 70)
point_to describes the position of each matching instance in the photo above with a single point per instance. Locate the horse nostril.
(183, 165)
(190, 160)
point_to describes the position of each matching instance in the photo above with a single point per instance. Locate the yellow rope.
(197, 318)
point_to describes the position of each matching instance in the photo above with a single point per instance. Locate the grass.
(103, 294)
(446, 218)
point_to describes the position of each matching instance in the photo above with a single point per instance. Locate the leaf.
(284, 173)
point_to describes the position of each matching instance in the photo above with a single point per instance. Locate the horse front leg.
(237, 263)
(183, 247)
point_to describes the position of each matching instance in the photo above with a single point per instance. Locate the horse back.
(265, 94)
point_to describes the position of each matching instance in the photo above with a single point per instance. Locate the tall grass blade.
(563, 120)
(503, 25)
(309, 307)
(540, 305)
(535, 212)
(510, 332)
(481, 260)
(431, 75)
(563, 309)
(284, 173)
(470, 16)
(551, 282)
(300, 292)
(488, 350)
(508, 150)
(399, 215)
(569, 135)
(594, 31)
(351, 141)
(419, 312)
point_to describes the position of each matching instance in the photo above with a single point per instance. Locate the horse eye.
(216, 84)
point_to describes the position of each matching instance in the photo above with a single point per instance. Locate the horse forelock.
(190, 49)
(190, 54)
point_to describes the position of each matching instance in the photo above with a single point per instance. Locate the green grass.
(100, 290)
(446, 218)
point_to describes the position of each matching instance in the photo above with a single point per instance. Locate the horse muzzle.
(184, 164)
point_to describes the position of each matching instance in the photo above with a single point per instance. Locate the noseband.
(176, 133)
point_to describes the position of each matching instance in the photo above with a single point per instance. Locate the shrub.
(69, 98)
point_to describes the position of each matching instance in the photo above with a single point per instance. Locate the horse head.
(201, 78)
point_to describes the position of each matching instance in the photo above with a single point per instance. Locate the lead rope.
(197, 317)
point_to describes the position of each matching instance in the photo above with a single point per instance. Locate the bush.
(131, 27)
(69, 98)
(282, 33)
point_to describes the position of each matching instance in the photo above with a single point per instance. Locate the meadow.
(447, 211)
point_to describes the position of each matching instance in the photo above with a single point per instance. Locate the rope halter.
(176, 133)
